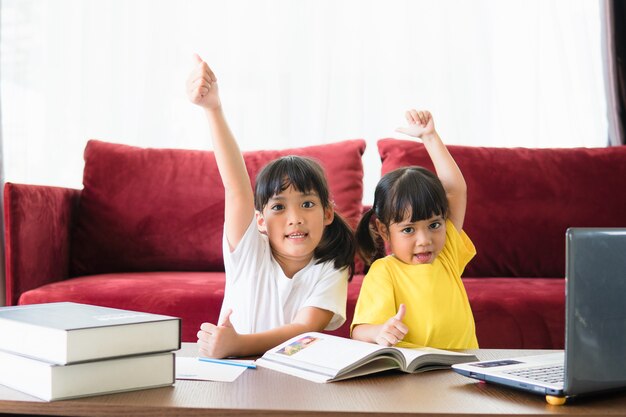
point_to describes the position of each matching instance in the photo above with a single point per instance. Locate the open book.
(322, 357)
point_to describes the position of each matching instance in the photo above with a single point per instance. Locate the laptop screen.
(595, 339)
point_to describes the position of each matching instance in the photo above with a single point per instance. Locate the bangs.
(416, 195)
(303, 174)
(419, 205)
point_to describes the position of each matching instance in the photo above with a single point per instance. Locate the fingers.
(201, 77)
(200, 81)
(207, 329)
(391, 335)
(204, 69)
(218, 341)
(411, 116)
(401, 311)
(226, 320)
(383, 341)
(421, 117)
(207, 339)
(397, 330)
(394, 330)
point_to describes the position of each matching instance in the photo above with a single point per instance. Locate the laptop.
(594, 358)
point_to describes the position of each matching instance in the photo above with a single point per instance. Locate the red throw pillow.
(522, 200)
(144, 209)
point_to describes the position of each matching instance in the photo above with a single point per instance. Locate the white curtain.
(294, 73)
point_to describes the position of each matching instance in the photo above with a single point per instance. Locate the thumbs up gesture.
(202, 85)
(393, 330)
(218, 341)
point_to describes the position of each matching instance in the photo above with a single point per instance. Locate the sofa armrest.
(38, 221)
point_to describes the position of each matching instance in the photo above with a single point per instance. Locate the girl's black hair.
(306, 175)
(413, 192)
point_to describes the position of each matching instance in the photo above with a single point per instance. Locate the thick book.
(324, 358)
(51, 382)
(64, 333)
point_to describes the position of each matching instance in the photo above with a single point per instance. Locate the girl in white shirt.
(288, 256)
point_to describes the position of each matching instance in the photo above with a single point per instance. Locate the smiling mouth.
(297, 235)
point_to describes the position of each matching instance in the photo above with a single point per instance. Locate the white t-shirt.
(262, 297)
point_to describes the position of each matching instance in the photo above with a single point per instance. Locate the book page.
(321, 352)
(419, 355)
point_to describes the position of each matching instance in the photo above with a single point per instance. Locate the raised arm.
(239, 201)
(421, 125)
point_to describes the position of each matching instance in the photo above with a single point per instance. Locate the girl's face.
(294, 222)
(417, 242)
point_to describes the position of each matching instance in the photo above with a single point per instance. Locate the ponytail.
(337, 245)
(370, 245)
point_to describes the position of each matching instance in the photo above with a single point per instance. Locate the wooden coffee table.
(262, 392)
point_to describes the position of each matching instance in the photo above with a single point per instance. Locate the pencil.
(227, 362)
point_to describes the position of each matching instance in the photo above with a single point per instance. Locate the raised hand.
(393, 331)
(421, 124)
(202, 85)
(218, 341)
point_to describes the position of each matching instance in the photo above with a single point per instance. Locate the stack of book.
(66, 350)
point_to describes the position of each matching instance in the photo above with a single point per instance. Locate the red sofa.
(145, 231)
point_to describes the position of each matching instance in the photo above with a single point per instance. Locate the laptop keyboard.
(552, 374)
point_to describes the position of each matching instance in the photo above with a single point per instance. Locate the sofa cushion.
(144, 209)
(520, 313)
(196, 297)
(522, 200)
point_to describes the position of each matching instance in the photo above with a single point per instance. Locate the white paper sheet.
(192, 368)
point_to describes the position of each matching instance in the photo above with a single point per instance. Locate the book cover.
(324, 358)
(51, 382)
(74, 332)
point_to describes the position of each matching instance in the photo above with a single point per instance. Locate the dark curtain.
(614, 53)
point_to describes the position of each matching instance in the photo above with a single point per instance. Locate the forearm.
(450, 176)
(366, 332)
(228, 156)
(445, 166)
(259, 343)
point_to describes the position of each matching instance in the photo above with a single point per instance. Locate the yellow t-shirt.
(438, 313)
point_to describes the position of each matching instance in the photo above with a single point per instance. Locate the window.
(294, 73)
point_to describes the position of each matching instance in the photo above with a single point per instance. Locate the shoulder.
(458, 238)
(324, 271)
(458, 249)
(250, 240)
(382, 268)
(380, 264)
(250, 258)
(323, 279)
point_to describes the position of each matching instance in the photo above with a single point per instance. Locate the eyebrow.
(432, 219)
(278, 197)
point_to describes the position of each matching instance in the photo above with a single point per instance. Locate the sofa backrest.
(521, 200)
(144, 209)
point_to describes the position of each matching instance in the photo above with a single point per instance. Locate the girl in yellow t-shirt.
(415, 296)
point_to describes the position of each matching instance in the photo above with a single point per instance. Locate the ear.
(329, 215)
(260, 222)
(382, 230)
